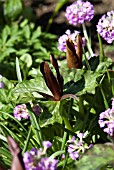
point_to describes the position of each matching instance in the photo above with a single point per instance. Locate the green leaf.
(30, 86)
(50, 114)
(86, 84)
(18, 71)
(12, 9)
(36, 33)
(97, 157)
(26, 59)
(5, 34)
(27, 32)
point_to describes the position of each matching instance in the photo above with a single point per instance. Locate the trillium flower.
(68, 35)
(54, 83)
(74, 56)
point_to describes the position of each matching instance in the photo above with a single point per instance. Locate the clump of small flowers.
(77, 146)
(106, 120)
(20, 111)
(36, 160)
(105, 27)
(79, 11)
(36, 109)
(62, 40)
(1, 83)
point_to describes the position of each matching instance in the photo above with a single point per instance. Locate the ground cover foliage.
(56, 94)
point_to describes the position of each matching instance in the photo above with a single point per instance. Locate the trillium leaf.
(86, 84)
(25, 89)
(99, 156)
(50, 113)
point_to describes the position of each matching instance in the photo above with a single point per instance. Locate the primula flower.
(105, 27)
(77, 146)
(68, 35)
(20, 111)
(36, 109)
(106, 120)
(35, 160)
(79, 11)
(47, 164)
(1, 83)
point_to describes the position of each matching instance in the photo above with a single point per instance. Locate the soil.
(43, 10)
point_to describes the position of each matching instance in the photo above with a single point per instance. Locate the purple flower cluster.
(36, 109)
(106, 120)
(77, 147)
(105, 27)
(62, 40)
(20, 111)
(1, 83)
(35, 160)
(79, 11)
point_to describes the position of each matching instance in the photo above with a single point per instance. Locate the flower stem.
(57, 154)
(87, 39)
(65, 161)
(101, 49)
(35, 125)
(65, 133)
(27, 140)
(104, 97)
(86, 60)
(81, 107)
(64, 115)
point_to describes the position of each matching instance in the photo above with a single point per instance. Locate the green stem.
(64, 115)
(27, 140)
(67, 123)
(18, 71)
(57, 8)
(57, 154)
(87, 39)
(81, 107)
(111, 81)
(65, 161)
(35, 123)
(65, 133)
(64, 140)
(104, 97)
(86, 60)
(101, 49)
